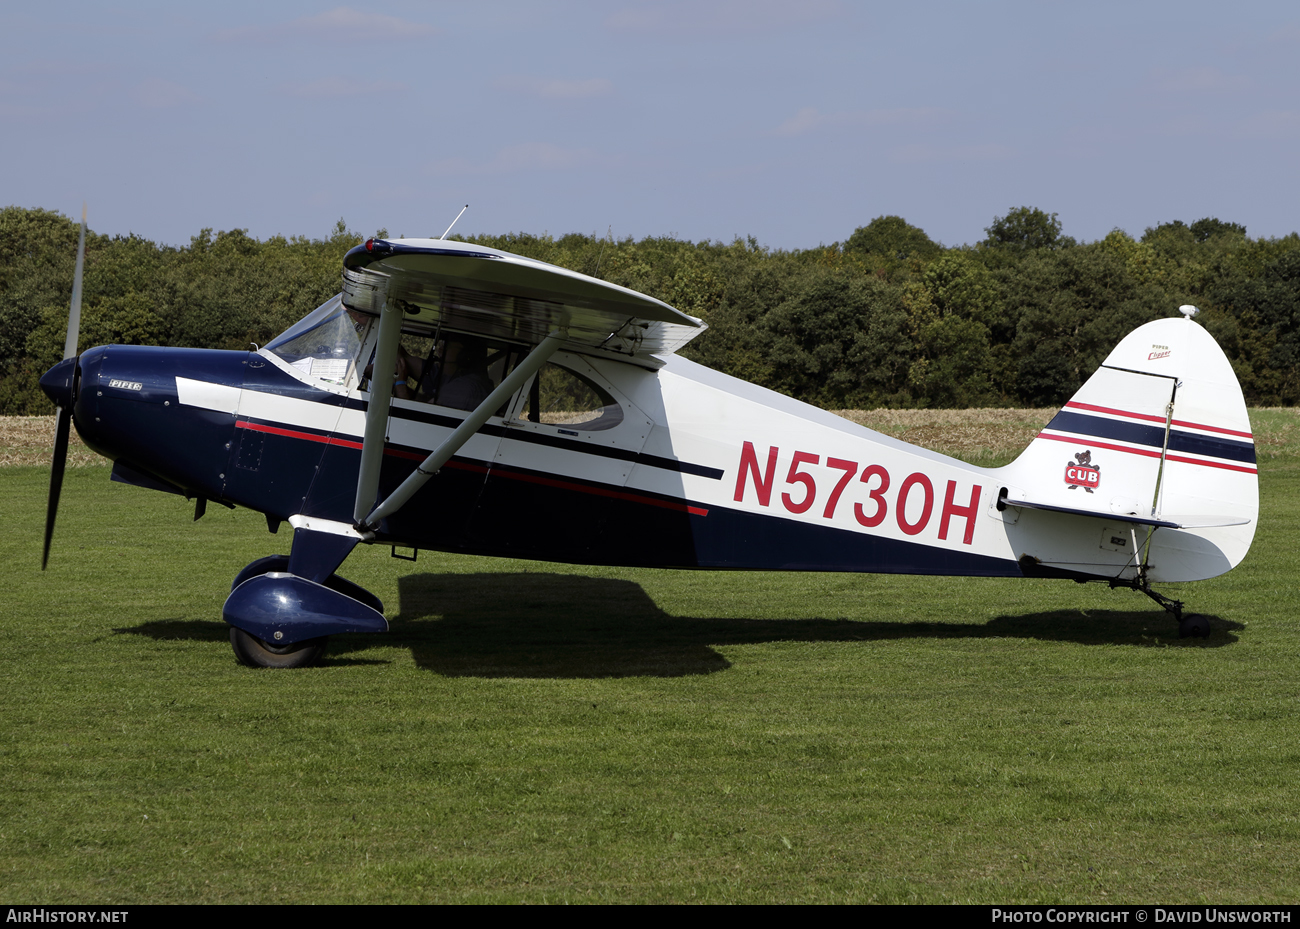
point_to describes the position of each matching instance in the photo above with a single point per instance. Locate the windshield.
(324, 344)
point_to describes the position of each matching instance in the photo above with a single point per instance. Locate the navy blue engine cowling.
(128, 409)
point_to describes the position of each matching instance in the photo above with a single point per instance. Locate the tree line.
(888, 317)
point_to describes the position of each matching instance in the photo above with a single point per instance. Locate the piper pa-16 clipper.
(352, 432)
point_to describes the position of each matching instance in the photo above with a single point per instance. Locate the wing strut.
(531, 364)
(381, 395)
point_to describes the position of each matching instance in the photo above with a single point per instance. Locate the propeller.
(64, 394)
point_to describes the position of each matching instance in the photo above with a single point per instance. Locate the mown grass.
(536, 732)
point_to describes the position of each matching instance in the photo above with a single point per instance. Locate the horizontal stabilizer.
(1163, 521)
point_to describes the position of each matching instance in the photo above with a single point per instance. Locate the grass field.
(541, 733)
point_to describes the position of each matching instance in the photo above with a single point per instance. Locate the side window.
(561, 397)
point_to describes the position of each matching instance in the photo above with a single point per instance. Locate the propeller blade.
(62, 426)
(74, 312)
(63, 414)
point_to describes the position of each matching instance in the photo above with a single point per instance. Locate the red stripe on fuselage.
(466, 466)
(295, 434)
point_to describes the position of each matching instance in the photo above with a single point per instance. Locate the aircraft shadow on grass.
(532, 624)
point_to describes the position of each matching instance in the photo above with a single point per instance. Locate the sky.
(792, 122)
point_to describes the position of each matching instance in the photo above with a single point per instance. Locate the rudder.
(1159, 437)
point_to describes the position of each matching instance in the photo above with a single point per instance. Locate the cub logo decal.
(1082, 472)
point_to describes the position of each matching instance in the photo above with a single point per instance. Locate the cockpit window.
(325, 343)
(562, 397)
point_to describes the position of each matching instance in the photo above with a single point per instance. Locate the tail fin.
(1158, 437)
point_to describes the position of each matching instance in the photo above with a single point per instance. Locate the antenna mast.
(454, 221)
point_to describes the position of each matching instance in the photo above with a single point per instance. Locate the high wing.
(493, 293)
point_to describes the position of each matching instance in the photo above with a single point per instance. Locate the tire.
(255, 653)
(1194, 626)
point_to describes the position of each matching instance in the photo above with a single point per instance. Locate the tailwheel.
(1190, 625)
(256, 653)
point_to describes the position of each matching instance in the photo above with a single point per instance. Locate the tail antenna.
(454, 221)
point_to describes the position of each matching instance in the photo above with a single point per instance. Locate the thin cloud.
(556, 88)
(513, 159)
(806, 120)
(59, 68)
(342, 24)
(1187, 125)
(923, 154)
(810, 119)
(17, 111)
(1271, 124)
(714, 18)
(1288, 34)
(1196, 80)
(335, 88)
(400, 193)
(39, 90)
(161, 95)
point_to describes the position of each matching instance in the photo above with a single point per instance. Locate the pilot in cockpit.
(455, 375)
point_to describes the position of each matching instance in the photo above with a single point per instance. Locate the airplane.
(459, 398)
